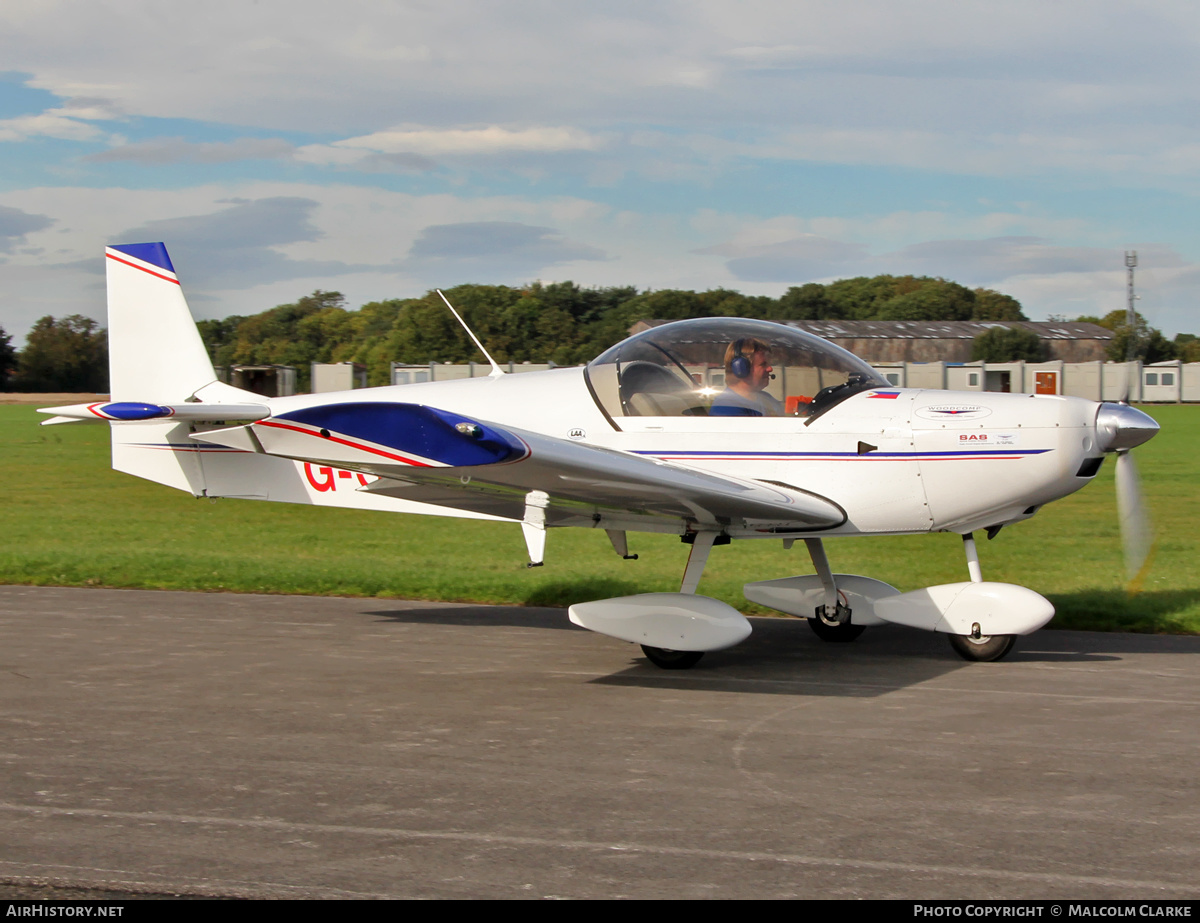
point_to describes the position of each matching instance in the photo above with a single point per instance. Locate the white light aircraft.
(712, 429)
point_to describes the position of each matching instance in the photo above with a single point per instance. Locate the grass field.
(69, 520)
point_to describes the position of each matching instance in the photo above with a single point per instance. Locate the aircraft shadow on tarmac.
(783, 657)
(481, 616)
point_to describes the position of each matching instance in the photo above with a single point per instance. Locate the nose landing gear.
(978, 647)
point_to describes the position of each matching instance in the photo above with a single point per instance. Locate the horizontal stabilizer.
(132, 411)
(55, 420)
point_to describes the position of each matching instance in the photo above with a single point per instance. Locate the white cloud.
(498, 239)
(1046, 276)
(803, 258)
(413, 148)
(676, 110)
(1166, 285)
(809, 257)
(894, 78)
(494, 251)
(242, 245)
(53, 123)
(243, 248)
(326, 155)
(69, 122)
(177, 150)
(492, 139)
(1165, 152)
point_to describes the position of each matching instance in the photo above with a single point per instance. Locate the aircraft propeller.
(1120, 428)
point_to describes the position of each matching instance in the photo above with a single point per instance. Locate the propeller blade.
(1136, 533)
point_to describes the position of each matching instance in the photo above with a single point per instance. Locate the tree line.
(68, 355)
(559, 322)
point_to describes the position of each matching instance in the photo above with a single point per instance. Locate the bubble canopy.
(726, 366)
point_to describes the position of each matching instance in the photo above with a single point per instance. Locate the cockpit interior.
(722, 366)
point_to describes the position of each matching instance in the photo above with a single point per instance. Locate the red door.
(1045, 382)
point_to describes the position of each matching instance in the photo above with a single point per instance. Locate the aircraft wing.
(434, 456)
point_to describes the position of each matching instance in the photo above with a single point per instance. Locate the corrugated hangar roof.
(935, 330)
(945, 330)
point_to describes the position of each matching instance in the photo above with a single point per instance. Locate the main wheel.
(672, 660)
(845, 631)
(986, 648)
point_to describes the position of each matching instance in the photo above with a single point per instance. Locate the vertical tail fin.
(156, 356)
(154, 349)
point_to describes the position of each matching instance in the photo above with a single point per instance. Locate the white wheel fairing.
(801, 595)
(671, 621)
(957, 608)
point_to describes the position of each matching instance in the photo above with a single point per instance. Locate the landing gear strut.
(836, 631)
(831, 621)
(702, 543)
(976, 646)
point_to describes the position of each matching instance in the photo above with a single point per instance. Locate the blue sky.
(384, 149)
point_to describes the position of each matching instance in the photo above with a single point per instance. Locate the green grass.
(69, 520)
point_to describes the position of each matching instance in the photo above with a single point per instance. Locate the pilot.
(747, 374)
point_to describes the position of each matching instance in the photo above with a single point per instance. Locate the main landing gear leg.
(977, 646)
(682, 660)
(831, 621)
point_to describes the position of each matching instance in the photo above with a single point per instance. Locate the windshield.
(724, 366)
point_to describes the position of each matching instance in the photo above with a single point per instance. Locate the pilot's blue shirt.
(731, 404)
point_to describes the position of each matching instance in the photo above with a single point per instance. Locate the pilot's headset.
(740, 365)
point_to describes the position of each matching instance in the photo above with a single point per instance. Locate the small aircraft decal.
(956, 411)
(326, 478)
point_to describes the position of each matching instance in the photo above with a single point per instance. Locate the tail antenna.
(496, 370)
